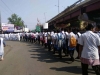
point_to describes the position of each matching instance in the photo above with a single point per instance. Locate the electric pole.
(0, 20)
(58, 6)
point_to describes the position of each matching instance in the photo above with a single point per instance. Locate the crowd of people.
(86, 43)
(11, 36)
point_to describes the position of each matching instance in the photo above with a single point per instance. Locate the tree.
(17, 21)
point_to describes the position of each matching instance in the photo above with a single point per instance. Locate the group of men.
(58, 41)
(11, 36)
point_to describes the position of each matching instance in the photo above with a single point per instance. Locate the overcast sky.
(30, 10)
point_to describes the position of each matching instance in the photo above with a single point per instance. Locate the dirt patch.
(7, 49)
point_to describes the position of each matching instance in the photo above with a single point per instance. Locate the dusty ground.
(33, 59)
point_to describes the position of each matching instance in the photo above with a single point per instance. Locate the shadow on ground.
(71, 69)
(43, 55)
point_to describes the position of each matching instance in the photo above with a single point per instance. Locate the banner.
(7, 27)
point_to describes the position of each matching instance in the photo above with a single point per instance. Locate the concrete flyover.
(71, 14)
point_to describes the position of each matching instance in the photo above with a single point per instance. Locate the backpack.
(73, 41)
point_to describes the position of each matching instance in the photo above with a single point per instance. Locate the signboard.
(18, 27)
(26, 29)
(38, 29)
(45, 26)
(7, 27)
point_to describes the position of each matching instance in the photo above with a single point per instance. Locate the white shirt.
(98, 33)
(78, 36)
(66, 33)
(90, 42)
(45, 34)
(1, 46)
(54, 36)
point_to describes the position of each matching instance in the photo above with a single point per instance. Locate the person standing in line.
(49, 40)
(89, 50)
(59, 43)
(54, 40)
(71, 47)
(97, 29)
(64, 48)
(78, 34)
(18, 36)
(66, 34)
(41, 38)
(45, 39)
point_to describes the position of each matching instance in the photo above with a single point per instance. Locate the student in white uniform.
(45, 38)
(89, 50)
(49, 40)
(78, 34)
(18, 36)
(2, 44)
(54, 37)
(70, 48)
(97, 29)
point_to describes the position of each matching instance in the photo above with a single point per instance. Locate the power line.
(0, 20)
(5, 10)
(6, 6)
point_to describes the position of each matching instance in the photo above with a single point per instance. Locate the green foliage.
(17, 21)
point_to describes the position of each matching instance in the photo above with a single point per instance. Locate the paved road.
(32, 59)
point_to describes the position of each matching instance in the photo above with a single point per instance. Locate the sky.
(31, 10)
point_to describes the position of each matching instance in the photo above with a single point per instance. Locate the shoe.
(72, 59)
(67, 55)
(60, 57)
(53, 52)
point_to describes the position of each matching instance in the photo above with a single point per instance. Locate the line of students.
(87, 44)
(56, 40)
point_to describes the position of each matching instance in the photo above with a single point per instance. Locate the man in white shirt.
(49, 40)
(71, 49)
(97, 29)
(45, 39)
(77, 47)
(54, 42)
(89, 50)
(59, 43)
(66, 39)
